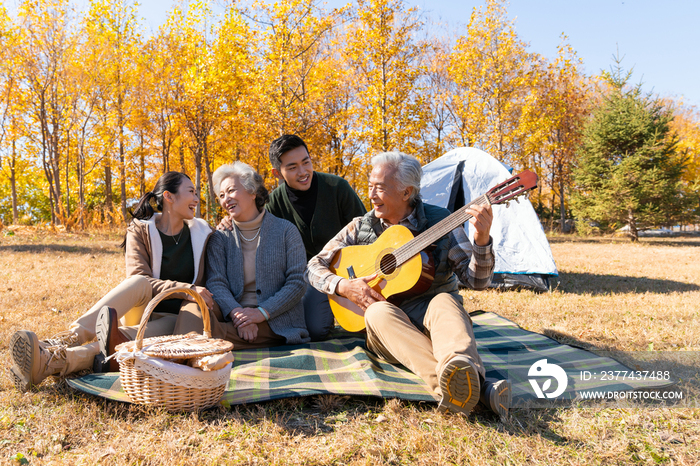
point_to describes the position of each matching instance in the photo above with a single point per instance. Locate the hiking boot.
(33, 361)
(108, 336)
(459, 384)
(66, 338)
(497, 396)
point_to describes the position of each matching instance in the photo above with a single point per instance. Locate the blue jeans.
(318, 314)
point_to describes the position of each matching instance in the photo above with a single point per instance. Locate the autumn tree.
(387, 57)
(552, 122)
(44, 53)
(113, 30)
(686, 124)
(234, 85)
(439, 89)
(299, 88)
(8, 93)
(161, 89)
(629, 170)
(494, 74)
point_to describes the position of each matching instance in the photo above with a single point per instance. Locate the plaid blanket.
(342, 366)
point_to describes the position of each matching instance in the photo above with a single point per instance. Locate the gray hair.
(250, 179)
(407, 169)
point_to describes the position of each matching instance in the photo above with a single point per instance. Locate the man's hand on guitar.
(359, 292)
(482, 217)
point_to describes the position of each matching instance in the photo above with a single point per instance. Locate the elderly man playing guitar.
(429, 333)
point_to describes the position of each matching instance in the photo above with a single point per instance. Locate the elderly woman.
(255, 272)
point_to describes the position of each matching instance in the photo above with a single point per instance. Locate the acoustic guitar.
(403, 263)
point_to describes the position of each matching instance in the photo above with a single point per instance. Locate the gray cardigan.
(279, 275)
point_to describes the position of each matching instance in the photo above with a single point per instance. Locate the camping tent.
(523, 256)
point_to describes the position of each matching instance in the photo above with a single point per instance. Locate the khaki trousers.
(130, 296)
(448, 333)
(190, 320)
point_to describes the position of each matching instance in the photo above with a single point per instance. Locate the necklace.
(177, 241)
(240, 233)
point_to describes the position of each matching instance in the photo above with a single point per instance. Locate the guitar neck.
(437, 231)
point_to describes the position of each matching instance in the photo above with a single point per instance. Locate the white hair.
(251, 181)
(407, 171)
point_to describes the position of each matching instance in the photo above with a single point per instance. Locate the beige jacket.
(144, 252)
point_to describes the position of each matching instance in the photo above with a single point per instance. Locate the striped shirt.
(473, 264)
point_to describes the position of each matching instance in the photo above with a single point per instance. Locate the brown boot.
(459, 384)
(497, 396)
(108, 336)
(33, 361)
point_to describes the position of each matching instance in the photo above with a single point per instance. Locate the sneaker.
(32, 361)
(497, 396)
(459, 383)
(108, 336)
(65, 338)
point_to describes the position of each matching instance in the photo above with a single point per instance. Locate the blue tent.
(523, 256)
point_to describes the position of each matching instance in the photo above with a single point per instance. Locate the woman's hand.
(205, 294)
(248, 332)
(243, 316)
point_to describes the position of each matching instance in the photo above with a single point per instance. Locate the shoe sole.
(102, 329)
(501, 397)
(460, 387)
(102, 332)
(23, 346)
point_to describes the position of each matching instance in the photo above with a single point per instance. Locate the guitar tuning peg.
(507, 204)
(517, 199)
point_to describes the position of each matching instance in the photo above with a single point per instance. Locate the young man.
(319, 205)
(431, 334)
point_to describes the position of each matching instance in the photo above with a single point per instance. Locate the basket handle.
(160, 297)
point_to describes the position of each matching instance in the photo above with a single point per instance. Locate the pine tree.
(629, 170)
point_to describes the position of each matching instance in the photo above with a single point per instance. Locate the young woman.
(254, 271)
(164, 249)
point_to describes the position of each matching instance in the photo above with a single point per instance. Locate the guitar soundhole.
(388, 264)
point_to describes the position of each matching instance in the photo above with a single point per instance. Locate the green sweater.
(336, 205)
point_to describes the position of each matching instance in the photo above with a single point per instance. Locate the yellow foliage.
(686, 124)
(494, 75)
(93, 109)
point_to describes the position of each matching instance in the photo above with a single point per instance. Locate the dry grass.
(613, 295)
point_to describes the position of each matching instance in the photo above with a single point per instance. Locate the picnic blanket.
(342, 366)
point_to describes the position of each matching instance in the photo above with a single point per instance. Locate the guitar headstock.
(512, 187)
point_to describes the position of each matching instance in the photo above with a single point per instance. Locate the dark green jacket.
(336, 205)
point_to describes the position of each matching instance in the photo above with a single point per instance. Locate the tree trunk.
(632, 223)
(165, 151)
(142, 166)
(210, 184)
(109, 205)
(562, 207)
(122, 173)
(198, 176)
(55, 160)
(80, 171)
(68, 207)
(182, 156)
(13, 184)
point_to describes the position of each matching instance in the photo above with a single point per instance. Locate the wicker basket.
(149, 371)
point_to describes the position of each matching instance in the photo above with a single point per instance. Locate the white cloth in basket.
(177, 374)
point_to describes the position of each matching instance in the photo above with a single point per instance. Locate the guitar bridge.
(351, 273)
